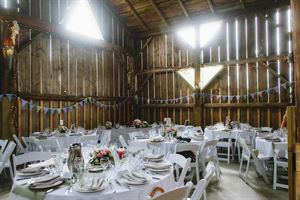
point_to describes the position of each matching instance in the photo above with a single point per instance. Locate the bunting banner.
(99, 104)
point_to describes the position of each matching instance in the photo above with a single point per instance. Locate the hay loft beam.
(56, 29)
(183, 8)
(211, 6)
(136, 15)
(156, 8)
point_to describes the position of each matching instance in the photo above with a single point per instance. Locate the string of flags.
(70, 108)
(223, 97)
(92, 100)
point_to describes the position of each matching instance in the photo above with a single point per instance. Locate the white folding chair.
(195, 149)
(199, 190)
(135, 134)
(20, 148)
(210, 170)
(89, 139)
(247, 154)
(32, 144)
(179, 193)
(209, 153)
(225, 141)
(180, 162)
(249, 136)
(3, 144)
(105, 137)
(5, 158)
(122, 141)
(279, 161)
(29, 158)
(50, 145)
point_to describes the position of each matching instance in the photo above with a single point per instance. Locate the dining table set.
(106, 167)
(132, 177)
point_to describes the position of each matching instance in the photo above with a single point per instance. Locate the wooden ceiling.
(149, 17)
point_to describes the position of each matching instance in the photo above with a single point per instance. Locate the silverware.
(123, 184)
(112, 187)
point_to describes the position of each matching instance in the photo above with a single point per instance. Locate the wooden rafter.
(211, 6)
(145, 45)
(183, 8)
(136, 15)
(215, 17)
(56, 29)
(156, 8)
(242, 4)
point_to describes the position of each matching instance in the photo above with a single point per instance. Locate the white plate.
(159, 170)
(77, 188)
(45, 186)
(96, 169)
(126, 181)
(29, 173)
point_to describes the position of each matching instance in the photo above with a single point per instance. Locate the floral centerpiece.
(170, 131)
(108, 125)
(137, 123)
(61, 130)
(101, 156)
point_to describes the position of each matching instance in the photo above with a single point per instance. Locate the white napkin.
(43, 164)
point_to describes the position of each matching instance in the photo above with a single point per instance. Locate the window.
(207, 75)
(207, 32)
(80, 20)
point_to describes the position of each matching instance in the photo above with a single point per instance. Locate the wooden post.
(295, 10)
(6, 86)
(197, 111)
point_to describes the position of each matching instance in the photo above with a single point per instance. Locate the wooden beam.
(34, 96)
(166, 105)
(144, 46)
(136, 15)
(27, 42)
(143, 83)
(221, 15)
(211, 6)
(242, 4)
(246, 105)
(162, 70)
(56, 29)
(156, 8)
(185, 12)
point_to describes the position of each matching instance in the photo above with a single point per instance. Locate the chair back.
(246, 149)
(20, 147)
(279, 148)
(3, 144)
(188, 147)
(32, 144)
(6, 154)
(209, 149)
(179, 193)
(135, 134)
(50, 145)
(122, 141)
(183, 163)
(29, 157)
(199, 190)
(105, 137)
(89, 139)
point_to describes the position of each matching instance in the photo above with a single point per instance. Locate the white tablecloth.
(137, 192)
(265, 147)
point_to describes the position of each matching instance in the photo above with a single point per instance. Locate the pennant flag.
(65, 110)
(70, 109)
(52, 110)
(31, 106)
(9, 96)
(80, 103)
(85, 101)
(38, 108)
(23, 102)
(58, 110)
(284, 85)
(46, 110)
(276, 89)
(75, 105)
(252, 95)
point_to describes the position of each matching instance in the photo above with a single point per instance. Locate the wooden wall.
(253, 50)
(55, 72)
